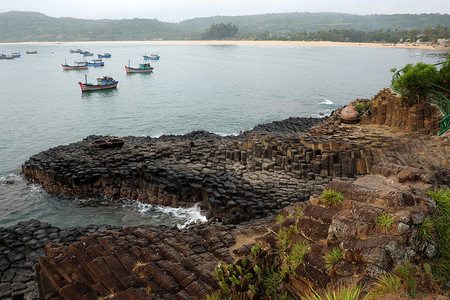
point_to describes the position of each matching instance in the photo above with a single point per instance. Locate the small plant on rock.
(332, 257)
(425, 230)
(332, 197)
(441, 218)
(296, 256)
(285, 236)
(280, 219)
(299, 211)
(385, 221)
(352, 292)
(386, 284)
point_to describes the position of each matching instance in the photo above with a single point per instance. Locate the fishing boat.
(76, 51)
(96, 63)
(151, 56)
(16, 54)
(103, 83)
(143, 68)
(104, 55)
(4, 56)
(32, 52)
(78, 65)
(87, 53)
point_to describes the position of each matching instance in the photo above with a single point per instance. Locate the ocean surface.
(218, 88)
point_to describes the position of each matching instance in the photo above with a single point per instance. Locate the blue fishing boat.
(95, 63)
(104, 55)
(151, 56)
(16, 54)
(4, 56)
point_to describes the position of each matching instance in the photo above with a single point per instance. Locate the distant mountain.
(18, 26)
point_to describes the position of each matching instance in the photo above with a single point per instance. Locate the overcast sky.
(178, 10)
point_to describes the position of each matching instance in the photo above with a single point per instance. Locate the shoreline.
(433, 47)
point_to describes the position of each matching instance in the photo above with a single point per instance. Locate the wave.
(184, 216)
(327, 102)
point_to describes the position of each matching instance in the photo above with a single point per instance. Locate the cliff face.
(387, 109)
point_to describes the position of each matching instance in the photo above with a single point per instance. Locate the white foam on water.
(184, 216)
(10, 178)
(327, 102)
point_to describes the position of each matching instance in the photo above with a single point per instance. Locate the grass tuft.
(386, 284)
(441, 218)
(352, 292)
(332, 257)
(332, 197)
(425, 230)
(385, 221)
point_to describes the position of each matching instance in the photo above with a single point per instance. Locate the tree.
(220, 31)
(416, 81)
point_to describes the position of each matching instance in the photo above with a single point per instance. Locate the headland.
(382, 165)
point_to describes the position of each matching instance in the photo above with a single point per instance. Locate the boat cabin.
(145, 66)
(106, 80)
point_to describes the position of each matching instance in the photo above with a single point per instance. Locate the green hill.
(37, 27)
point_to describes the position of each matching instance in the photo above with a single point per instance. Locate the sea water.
(218, 88)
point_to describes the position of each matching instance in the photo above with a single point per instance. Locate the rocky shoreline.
(241, 182)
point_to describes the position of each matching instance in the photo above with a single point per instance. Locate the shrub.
(360, 107)
(445, 73)
(416, 81)
(332, 197)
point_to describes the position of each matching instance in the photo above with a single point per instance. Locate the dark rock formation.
(20, 247)
(234, 179)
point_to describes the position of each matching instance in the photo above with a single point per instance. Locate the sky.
(179, 10)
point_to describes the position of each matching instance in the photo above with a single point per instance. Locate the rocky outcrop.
(20, 247)
(234, 179)
(368, 249)
(142, 262)
(388, 108)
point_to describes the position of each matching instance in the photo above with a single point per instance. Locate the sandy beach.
(423, 46)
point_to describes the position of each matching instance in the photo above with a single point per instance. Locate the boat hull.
(151, 57)
(96, 64)
(95, 87)
(67, 67)
(137, 70)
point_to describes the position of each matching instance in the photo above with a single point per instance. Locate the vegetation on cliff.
(264, 274)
